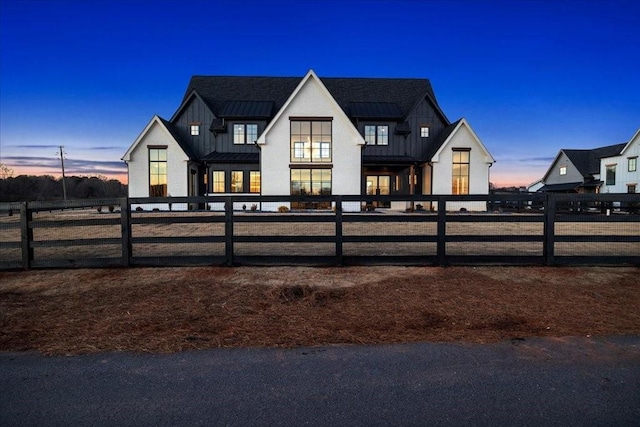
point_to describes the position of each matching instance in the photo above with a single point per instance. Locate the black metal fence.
(543, 229)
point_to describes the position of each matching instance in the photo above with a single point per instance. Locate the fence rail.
(543, 229)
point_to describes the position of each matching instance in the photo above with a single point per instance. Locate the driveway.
(533, 382)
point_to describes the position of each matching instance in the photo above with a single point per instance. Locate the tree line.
(47, 188)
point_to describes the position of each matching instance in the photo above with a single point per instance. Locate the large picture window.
(158, 172)
(460, 172)
(310, 182)
(311, 141)
(376, 135)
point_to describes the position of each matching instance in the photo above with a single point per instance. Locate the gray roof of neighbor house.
(358, 97)
(588, 161)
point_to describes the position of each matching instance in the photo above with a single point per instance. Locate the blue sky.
(530, 77)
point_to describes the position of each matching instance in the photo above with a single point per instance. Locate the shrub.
(99, 209)
(111, 208)
(254, 207)
(283, 209)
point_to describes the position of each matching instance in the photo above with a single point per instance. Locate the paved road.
(524, 383)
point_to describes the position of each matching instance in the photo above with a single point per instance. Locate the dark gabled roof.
(374, 110)
(561, 188)
(247, 109)
(435, 145)
(174, 133)
(216, 91)
(232, 157)
(588, 161)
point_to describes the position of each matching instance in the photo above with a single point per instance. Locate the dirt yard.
(175, 309)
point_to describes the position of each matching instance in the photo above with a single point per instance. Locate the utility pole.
(64, 184)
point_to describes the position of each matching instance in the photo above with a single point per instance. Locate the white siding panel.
(177, 165)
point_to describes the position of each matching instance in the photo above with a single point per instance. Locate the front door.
(379, 185)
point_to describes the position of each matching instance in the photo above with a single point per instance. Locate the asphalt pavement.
(531, 382)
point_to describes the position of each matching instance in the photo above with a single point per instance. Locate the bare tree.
(5, 171)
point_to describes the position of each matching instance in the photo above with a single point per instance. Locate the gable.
(573, 174)
(461, 135)
(311, 99)
(157, 132)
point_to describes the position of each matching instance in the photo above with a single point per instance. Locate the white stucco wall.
(623, 176)
(138, 166)
(479, 164)
(312, 100)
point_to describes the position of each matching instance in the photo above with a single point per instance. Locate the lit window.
(195, 129)
(237, 182)
(460, 172)
(610, 178)
(563, 170)
(245, 133)
(376, 135)
(218, 181)
(311, 141)
(316, 182)
(632, 163)
(157, 172)
(424, 131)
(254, 181)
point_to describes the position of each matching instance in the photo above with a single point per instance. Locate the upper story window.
(376, 135)
(157, 172)
(610, 178)
(311, 141)
(460, 171)
(632, 164)
(563, 170)
(245, 133)
(195, 129)
(424, 131)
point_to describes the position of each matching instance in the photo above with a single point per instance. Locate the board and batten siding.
(196, 112)
(312, 100)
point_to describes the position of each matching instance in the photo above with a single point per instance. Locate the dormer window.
(245, 133)
(376, 135)
(424, 131)
(195, 129)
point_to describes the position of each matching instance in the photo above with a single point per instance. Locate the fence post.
(228, 231)
(442, 231)
(125, 227)
(549, 228)
(339, 230)
(26, 235)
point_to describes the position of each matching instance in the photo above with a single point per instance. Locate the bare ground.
(175, 309)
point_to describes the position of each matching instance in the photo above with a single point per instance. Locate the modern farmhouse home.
(610, 169)
(278, 136)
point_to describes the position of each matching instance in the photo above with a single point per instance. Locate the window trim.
(233, 188)
(633, 160)
(612, 167)
(468, 174)
(316, 150)
(423, 128)
(245, 133)
(376, 135)
(214, 181)
(166, 170)
(563, 170)
(194, 128)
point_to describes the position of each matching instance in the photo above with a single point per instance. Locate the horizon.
(530, 77)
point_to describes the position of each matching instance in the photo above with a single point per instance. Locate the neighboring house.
(610, 169)
(287, 136)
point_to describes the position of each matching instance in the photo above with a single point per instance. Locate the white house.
(283, 136)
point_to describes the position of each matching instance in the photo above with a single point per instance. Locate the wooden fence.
(537, 229)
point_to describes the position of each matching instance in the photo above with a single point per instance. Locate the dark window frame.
(376, 135)
(158, 189)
